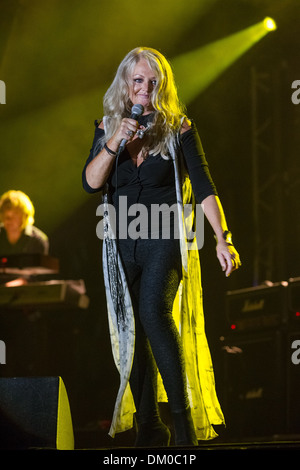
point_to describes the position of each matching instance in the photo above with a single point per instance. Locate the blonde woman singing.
(147, 152)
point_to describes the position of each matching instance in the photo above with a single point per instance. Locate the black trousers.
(153, 270)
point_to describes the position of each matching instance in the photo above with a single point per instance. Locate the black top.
(153, 182)
(32, 241)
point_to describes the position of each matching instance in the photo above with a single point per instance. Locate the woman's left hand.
(228, 257)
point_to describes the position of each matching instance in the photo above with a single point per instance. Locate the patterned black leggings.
(153, 269)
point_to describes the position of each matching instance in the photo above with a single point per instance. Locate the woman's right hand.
(126, 130)
(98, 170)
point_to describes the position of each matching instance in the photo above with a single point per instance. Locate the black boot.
(153, 434)
(185, 434)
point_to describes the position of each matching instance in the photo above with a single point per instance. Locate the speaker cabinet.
(254, 384)
(257, 308)
(35, 413)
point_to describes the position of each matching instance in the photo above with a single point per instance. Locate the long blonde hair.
(169, 111)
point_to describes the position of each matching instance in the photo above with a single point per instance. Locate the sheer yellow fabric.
(189, 318)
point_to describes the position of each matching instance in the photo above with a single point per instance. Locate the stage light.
(195, 70)
(269, 24)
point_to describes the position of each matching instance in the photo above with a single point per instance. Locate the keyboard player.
(18, 235)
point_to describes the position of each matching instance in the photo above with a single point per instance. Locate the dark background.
(57, 59)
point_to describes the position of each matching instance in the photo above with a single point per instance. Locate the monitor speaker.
(35, 413)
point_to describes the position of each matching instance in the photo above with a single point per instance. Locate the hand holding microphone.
(136, 111)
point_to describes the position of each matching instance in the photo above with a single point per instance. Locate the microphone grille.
(137, 109)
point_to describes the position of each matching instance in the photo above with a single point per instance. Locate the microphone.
(136, 111)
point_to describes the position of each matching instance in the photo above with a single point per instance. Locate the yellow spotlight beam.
(196, 70)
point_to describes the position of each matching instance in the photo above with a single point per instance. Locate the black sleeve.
(37, 242)
(197, 165)
(98, 134)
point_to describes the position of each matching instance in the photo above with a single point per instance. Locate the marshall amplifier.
(257, 308)
(254, 384)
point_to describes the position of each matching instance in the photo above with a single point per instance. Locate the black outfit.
(153, 181)
(153, 270)
(32, 240)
